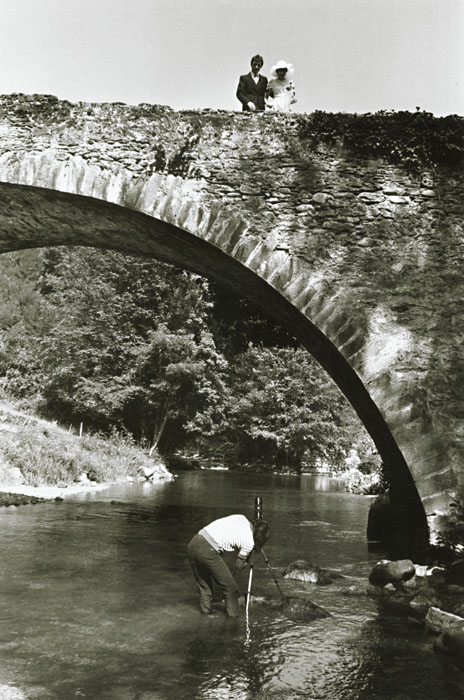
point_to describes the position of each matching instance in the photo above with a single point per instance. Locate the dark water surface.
(97, 600)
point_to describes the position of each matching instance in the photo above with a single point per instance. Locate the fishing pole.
(250, 576)
(272, 573)
(258, 516)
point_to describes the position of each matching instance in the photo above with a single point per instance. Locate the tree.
(285, 412)
(236, 323)
(24, 316)
(177, 381)
(125, 342)
(130, 346)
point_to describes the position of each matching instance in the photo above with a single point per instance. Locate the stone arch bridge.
(346, 230)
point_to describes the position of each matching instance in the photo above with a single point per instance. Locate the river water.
(97, 600)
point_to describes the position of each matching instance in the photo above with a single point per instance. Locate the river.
(98, 600)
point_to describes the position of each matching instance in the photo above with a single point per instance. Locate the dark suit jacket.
(249, 91)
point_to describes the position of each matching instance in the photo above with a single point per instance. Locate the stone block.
(397, 199)
(439, 621)
(321, 198)
(371, 197)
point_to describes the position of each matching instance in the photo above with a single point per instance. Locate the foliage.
(284, 412)
(131, 344)
(413, 139)
(370, 483)
(107, 329)
(236, 323)
(364, 471)
(176, 379)
(451, 535)
(47, 454)
(24, 315)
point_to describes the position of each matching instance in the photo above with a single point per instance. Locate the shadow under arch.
(32, 217)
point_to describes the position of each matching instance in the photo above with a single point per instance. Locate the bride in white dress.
(280, 92)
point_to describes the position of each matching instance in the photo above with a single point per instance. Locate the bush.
(452, 534)
(367, 484)
(53, 455)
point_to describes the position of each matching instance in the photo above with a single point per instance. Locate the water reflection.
(97, 600)
(376, 660)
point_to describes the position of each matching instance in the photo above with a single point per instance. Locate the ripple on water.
(98, 600)
(310, 659)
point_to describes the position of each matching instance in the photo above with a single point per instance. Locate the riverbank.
(21, 494)
(357, 482)
(40, 460)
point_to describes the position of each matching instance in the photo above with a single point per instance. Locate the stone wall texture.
(348, 231)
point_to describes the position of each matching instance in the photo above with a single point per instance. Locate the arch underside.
(38, 217)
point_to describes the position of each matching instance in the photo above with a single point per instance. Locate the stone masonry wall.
(348, 229)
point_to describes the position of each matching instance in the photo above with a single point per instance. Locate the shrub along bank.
(35, 452)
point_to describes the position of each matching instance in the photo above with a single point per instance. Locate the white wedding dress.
(281, 95)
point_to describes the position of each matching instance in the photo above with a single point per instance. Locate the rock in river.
(395, 572)
(302, 570)
(298, 608)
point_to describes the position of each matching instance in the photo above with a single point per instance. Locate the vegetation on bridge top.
(412, 139)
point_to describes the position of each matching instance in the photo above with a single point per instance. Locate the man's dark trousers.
(208, 566)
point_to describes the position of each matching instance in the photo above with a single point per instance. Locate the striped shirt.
(232, 532)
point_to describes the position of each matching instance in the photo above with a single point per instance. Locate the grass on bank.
(47, 454)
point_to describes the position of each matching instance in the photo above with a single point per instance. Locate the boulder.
(426, 580)
(302, 609)
(458, 609)
(302, 570)
(421, 604)
(153, 472)
(452, 640)
(146, 472)
(453, 589)
(423, 571)
(355, 590)
(394, 572)
(298, 608)
(439, 621)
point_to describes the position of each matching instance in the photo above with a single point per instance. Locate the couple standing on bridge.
(257, 94)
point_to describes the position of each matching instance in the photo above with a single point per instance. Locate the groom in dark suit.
(252, 87)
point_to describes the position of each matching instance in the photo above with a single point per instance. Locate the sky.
(349, 55)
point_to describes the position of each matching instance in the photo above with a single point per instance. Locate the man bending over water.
(235, 532)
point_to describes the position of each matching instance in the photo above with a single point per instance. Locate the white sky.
(349, 55)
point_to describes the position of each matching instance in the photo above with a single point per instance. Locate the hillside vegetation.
(130, 347)
(37, 452)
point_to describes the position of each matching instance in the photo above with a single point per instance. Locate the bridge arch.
(48, 217)
(311, 216)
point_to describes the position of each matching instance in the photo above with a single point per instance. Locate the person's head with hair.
(256, 64)
(260, 534)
